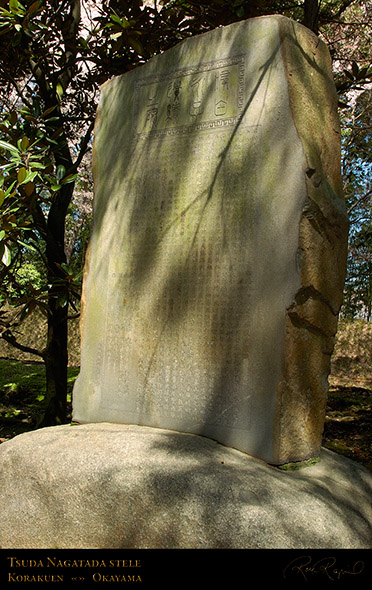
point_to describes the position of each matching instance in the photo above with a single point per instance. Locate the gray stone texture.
(116, 486)
(217, 261)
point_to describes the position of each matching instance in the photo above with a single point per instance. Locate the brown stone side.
(311, 319)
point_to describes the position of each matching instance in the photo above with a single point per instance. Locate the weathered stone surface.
(118, 486)
(218, 253)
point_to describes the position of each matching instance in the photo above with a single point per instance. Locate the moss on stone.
(296, 465)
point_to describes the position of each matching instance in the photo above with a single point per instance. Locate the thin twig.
(369, 193)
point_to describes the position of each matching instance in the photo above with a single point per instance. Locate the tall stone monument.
(216, 266)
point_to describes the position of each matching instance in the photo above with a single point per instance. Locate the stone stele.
(217, 260)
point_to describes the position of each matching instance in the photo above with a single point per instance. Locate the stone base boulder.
(122, 486)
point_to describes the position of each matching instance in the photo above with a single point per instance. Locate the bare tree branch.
(359, 201)
(10, 338)
(19, 92)
(83, 147)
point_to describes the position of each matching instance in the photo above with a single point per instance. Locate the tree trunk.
(311, 15)
(56, 354)
(56, 361)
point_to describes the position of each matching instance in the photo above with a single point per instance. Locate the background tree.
(357, 170)
(54, 55)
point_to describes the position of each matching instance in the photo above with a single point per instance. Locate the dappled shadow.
(197, 494)
(347, 427)
(195, 257)
(245, 498)
(119, 486)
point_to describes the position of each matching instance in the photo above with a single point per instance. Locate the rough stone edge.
(322, 262)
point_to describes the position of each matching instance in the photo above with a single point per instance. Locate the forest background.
(54, 56)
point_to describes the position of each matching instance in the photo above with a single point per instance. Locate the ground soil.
(348, 425)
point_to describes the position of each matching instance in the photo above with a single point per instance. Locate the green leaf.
(8, 146)
(29, 188)
(53, 141)
(69, 178)
(24, 111)
(135, 44)
(84, 42)
(2, 197)
(5, 13)
(25, 143)
(22, 175)
(355, 68)
(13, 5)
(48, 111)
(60, 172)
(16, 7)
(59, 89)
(62, 300)
(7, 257)
(34, 7)
(9, 190)
(36, 109)
(26, 245)
(37, 165)
(115, 18)
(123, 22)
